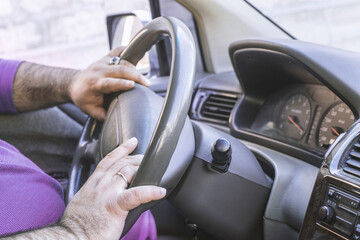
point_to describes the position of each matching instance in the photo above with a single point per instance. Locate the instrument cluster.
(309, 116)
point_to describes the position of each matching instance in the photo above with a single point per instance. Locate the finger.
(120, 152)
(133, 197)
(127, 63)
(122, 62)
(116, 51)
(124, 162)
(110, 85)
(127, 72)
(128, 172)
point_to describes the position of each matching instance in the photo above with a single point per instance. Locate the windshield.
(330, 22)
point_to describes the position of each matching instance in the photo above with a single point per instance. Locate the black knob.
(326, 214)
(221, 151)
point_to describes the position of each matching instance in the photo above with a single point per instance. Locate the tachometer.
(337, 120)
(295, 116)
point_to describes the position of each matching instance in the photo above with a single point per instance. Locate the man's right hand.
(37, 86)
(99, 209)
(88, 87)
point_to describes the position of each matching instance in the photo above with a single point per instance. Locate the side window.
(72, 33)
(175, 9)
(122, 28)
(64, 33)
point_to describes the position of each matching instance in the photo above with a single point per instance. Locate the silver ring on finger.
(124, 178)
(115, 61)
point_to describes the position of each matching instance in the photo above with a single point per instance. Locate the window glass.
(330, 22)
(173, 8)
(66, 33)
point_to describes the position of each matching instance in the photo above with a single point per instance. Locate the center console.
(334, 207)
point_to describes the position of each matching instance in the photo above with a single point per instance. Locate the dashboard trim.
(330, 174)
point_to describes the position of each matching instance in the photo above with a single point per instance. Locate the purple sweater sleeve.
(8, 70)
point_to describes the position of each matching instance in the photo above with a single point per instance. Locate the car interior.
(254, 133)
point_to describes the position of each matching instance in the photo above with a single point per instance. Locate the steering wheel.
(162, 127)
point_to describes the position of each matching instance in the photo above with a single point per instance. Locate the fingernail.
(146, 81)
(163, 191)
(130, 83)
(132, 140)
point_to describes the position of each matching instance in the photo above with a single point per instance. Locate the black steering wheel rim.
(173, 114)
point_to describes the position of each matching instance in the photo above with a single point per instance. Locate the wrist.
(74, 75)
(65, 232)
(75, 226)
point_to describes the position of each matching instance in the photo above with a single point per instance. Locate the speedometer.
(337, 120)
(295, 116)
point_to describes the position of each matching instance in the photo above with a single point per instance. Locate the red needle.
(334, 131)
(295, 124)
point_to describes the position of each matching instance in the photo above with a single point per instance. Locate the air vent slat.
(352, 171)
(355, 154)
(224, 116)
(223, 99)
(230, 106)
(217, 109)
(353, 163)
(350, 163)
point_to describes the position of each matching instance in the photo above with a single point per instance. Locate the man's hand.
(99, 209)
(89, 86)
(37, 86)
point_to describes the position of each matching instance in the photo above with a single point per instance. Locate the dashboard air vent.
(352, 159)
(214, 106)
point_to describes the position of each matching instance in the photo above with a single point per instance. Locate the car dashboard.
(292, 107)
(295, 105)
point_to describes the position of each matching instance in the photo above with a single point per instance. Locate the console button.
(357, 228)
(343, 225)
(331, 192)
(350, 201)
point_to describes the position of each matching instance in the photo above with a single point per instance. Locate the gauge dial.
(295, 116)
(337, 120)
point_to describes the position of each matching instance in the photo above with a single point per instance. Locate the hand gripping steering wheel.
(162, 127)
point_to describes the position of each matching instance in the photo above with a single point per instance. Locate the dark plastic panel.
(224, 82)
(291, 190)
(276, 230)
(243, 162)
(227, 205)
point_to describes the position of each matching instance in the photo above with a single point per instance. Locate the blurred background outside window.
(72, 33)
(65, 33)
(329, 22)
